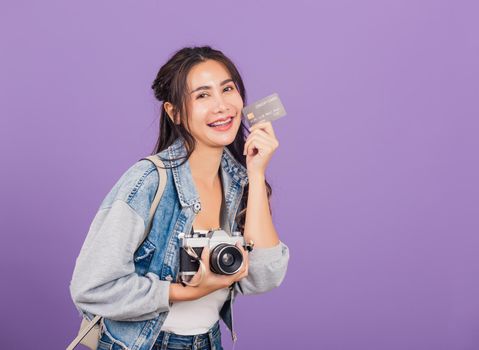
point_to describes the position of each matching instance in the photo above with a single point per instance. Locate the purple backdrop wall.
(374, 183)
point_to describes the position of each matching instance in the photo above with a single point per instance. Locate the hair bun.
(161, 87)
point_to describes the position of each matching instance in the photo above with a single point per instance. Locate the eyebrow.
(208, 87)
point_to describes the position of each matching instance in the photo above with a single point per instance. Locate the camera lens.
(226, 259)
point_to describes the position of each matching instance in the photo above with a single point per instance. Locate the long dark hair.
(170, 85)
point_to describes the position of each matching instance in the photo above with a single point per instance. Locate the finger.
(247, 142)
(265, 136)
(196, 277)
(239, 274)
(239, 245)
(264, 125)
(261, 135)
(260, 125)
(246, 260)
(244, 270)
(262, 147)
(251, 147)
(251, 141)
(245, 266)
(205, 252)
(243, 250)
(205, 256)
(261, 132)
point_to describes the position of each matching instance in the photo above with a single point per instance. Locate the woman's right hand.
(212, 281)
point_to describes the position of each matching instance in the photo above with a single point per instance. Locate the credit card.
(267, 109)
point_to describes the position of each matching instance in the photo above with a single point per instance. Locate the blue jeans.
(210, 340)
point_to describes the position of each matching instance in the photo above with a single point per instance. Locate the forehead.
(209, 72)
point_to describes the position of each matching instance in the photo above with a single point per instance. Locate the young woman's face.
(213, 97)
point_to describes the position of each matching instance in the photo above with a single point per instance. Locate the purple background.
(374, 183)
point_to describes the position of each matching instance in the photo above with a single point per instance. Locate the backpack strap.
(162, 177)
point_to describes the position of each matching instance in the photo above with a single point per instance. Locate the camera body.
(225, 257)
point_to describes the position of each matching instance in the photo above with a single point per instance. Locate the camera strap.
(191, 252)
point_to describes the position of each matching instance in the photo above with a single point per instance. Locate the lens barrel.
(226, 259)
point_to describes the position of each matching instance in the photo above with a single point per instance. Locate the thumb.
(205, 254)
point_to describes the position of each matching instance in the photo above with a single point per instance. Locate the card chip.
(250, 116)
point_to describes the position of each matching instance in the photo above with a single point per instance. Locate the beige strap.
(190, 251)
(162, 176)
(83, 333)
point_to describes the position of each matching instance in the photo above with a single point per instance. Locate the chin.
(224, 141)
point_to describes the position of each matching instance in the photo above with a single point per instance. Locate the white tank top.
(195, 316)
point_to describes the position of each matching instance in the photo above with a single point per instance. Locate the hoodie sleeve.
(267, 269)
(104, 280)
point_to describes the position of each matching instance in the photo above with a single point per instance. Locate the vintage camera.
(225, 257)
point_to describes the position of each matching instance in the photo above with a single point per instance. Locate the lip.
(222, 119)
(223, 128)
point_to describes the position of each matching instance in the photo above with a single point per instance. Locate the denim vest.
(159, 253)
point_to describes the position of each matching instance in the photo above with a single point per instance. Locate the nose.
(220, 104)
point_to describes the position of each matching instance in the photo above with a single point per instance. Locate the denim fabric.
(207, 341)
(133, 316)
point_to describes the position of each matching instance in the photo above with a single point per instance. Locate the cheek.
(199, 114)
(238, 104)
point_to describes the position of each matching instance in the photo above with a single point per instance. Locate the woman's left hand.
(259, 147)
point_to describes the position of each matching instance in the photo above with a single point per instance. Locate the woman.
(215, 180)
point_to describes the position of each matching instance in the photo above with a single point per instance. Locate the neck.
(205, 163)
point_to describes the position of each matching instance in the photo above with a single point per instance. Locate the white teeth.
(221, 123)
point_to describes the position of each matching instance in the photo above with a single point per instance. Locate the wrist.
(256, 176)
(179, 292)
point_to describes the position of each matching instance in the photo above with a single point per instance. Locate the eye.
(229, 87)
(201, 95)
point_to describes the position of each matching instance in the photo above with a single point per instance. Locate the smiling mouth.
(221, 123)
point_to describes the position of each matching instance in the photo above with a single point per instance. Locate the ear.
(169, 110)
